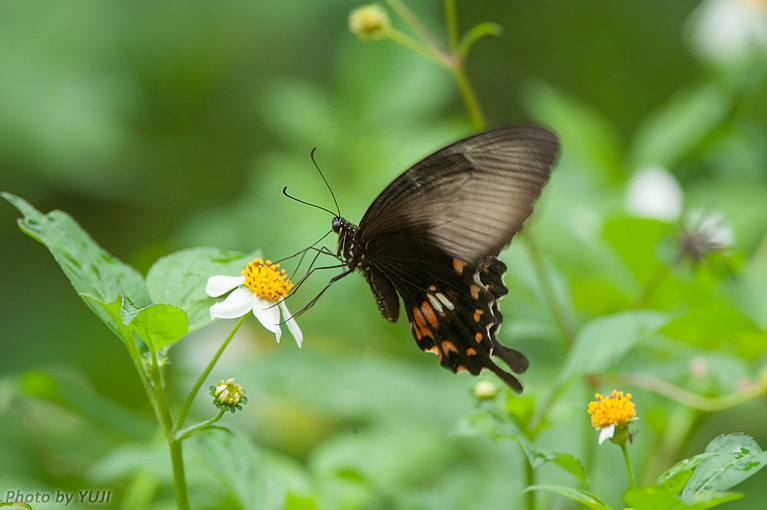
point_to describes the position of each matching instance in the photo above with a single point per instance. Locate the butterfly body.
(432, 237)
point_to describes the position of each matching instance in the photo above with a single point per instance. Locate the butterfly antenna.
(285, 192)
(325, 181)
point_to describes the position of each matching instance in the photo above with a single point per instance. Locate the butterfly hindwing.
(451, 304)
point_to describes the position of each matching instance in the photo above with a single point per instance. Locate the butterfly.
(432, 238)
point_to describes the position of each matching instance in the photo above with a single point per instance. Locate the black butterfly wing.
(471, 197)
(451, 304)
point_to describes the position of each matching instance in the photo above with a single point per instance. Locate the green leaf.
(738, 457)
(160, 325)
(604, 341)
(636, 241)
(92, 271)
(112, 316)
(476, 33)
(679, 127)
(654, 497)
(583, 497)
(676, 477)
(179, 279)
(240, 468)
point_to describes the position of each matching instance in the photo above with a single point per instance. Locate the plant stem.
(416, 47)
(690, 399)
(473, 107)
(529, 481)
(179, 478)
(412, 21)
(194, 429)
(176, 456)
(205, 374)
(628, 465)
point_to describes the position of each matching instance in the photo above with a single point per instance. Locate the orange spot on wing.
(471, 352)
(448, 346)
(478, 337)
(474, 291)
(420, 324)
(428, 313)
(435, 350)
(458, 265)
(477, 314)
(461, 368)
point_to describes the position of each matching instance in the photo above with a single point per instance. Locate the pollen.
(266, 280)
(615, 409)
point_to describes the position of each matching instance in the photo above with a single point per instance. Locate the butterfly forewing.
(471, 197)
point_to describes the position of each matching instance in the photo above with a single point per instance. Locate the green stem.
(690, 399)
(451, 20)
(179, 478)
(470, 100)
(416, 47)
(564, 323)
(195, 429)
(529, 481)
(412, 21)
(176, 456)
(205, 374)
(625, 450)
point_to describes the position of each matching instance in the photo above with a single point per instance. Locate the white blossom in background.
(725, 30)
(654, 193)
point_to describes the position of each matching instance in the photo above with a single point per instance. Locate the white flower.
(723, 30)
(606, 433)
(261, 288)
(654, 193)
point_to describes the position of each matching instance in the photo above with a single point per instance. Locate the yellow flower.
(369, 22)
(262, 289)
(610, 412)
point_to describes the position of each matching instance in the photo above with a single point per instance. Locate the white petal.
(219, 285)
(654, 193)
(268, 315)
(236, 304)
(606, 433)
(292, 324)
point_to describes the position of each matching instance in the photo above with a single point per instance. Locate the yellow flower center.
(266, 280)
(615, 409)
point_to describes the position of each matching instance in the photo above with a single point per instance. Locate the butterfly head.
(337, 224)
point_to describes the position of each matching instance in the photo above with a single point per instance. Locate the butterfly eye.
(336, 225)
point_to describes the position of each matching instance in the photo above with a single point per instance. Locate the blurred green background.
(165, 125)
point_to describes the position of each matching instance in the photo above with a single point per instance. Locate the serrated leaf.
(583, 497)
(179, 279)
(240, 468)
(654, 497)
(604, 341)
(737, 458)
(160, 325)
(91, 270)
